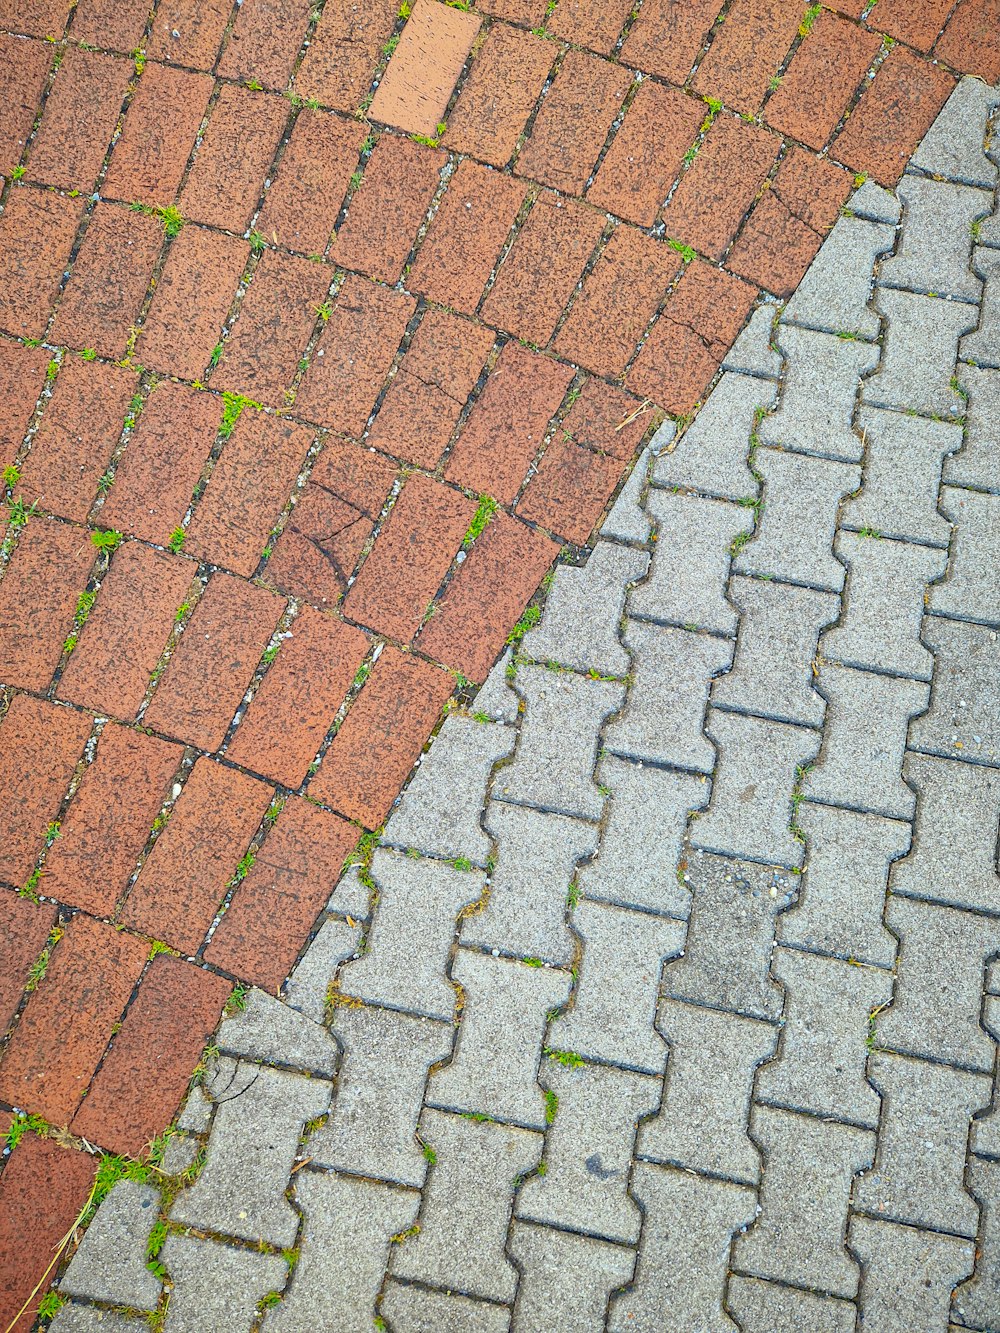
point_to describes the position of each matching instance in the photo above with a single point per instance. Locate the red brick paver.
(747, 50)
(593, 23)
(341, 60)
(304, 201)
(79, 119)
(265, 40)
(668, 35)
(227, 178)
(37, 231)
(24, 68)
(418, 82)
(25, 928)
(22, 378)
(496, 100)
(188, 32)
(971, 39)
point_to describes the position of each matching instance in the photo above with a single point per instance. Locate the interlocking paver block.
(981, 346)
(627, 520)
(647, 811)
(727, 956)
(421, 1310)
(506, 1009)
(304, 200)
(795, 531)
(977, 1300)
(939, 983)
(909, 1274)
(554, 764)
(824, 1047)
(918, 1173)
(86, 1318)
(809, 1165)
(834, 295)
(192, 299)
(80, 428)
(880, 627)
(573, 122)
(899, 446)
(235, 153)
(504, 83)
(936, 246)
(537, 854)
(701, 1125)
(750, 811)
(214, 660)
(975, 464)
(918, 356)
(681, 1274)
(216, 1287)
(588, 1151)
(822, 376)
(646, 154)
(752, 352)
(691, 561)
(954, 848)
(341, 60)
(110, 1264)
(264, 41)
(255, 1134)
(779, 1309)
(711, 455)
(79, 119)
(953, 146)
(418, 903)
(664, 714)
(964, 716)
(37, 232)
(467, 1206)
(308, 986)
(843, 892)
(615, 997)
(582, 611)
(269, 1032)
(496, 698)
(417, 85)
(105, 828)
(49, 742)
(439, 812)
(564, 1278)
(371, 1129)
(47, 571)
(164, 116)
(772, 670)
(972, 588)
(862, 754)
(349, 1225)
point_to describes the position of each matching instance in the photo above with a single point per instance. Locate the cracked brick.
(909, 1274)
(565, 1278)
(822, 377)
(346, 1240)
(701, 1124)
(835, 293)
(711, 456)
(691, 561)
(781, 1309)
(972, 589)
(579, 627)
(664, 714)
(964, 716)
(898, 446)
(919, 353)
(880, 627)
(216, 1288)
(809, 1165)
(371, 1129)
(554, 764)
(681, 1273)
(615, 998)
(936, 243)
(588, 1151)
(467, 1206)
(110, 1264)
(643, 838)
(795, 531)
(751, 808)
(772, 670)
(824, 1046)
(918, 1173)
(866, 721)
(953, 859)
(408, 945)
(726, 963)
(843, 890)
(939, 983)
(267, 1031)
(259, 1115)
(439, 812)
(975, 464)
(506, 1009)
(525, 913)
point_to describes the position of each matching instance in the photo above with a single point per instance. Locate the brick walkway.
(201, 723)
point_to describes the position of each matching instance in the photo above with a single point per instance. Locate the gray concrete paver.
(822, 373)
(935, 214)
(711, 456)
(909, 1275)
(565, 1278)
(110, 1264)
